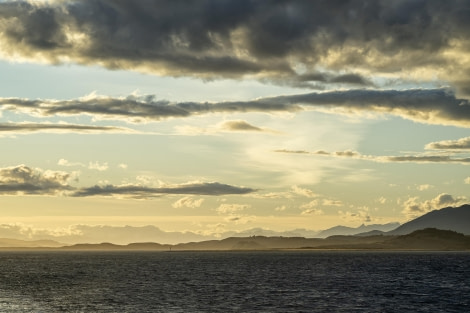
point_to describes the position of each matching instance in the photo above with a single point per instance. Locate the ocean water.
(295, 281)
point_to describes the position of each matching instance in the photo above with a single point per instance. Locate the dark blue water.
(309, 281)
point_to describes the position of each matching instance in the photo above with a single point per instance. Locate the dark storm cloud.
(58, 128)
(433, 106)
(22, 179)
(234, 38)
(137, 191)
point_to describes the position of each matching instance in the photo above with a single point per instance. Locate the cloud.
(312, 205)
(240, 219)
(24, 128)
(142, 192)
(64, 162)
(432, 106)
(278, 41)
(385, 159)
(309, 205)
(91, 165)
(21, 179)
(329, 202)
(240, 125)
(353, 79)
(227, 208)
(426, 159)
(292, 151)
(413, 208)
(226, 126)
(303, 192)
(137, 109)
(97, 166)
(24, 180)
(188, 202)
(312, 212)
(361, 214)
(424, 187)
(318, 80)
(460, 144)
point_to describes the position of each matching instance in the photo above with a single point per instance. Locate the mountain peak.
(450, 218)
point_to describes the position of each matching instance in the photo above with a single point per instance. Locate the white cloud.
(303, 192)
(424, 187)
(64, 162)
(413, 208)
(309, 205)
(227, 208)
(97, 166)
(312, 212)
(188, 202)
(329, 202)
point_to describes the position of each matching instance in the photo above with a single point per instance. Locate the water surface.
(296, 281)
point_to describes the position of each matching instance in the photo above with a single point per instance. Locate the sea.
(260, 281)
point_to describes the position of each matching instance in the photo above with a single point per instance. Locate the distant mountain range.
(425, 239)
(347, 231)
(8, 243)
(454, 219)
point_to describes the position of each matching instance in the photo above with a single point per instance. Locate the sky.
(211, 117)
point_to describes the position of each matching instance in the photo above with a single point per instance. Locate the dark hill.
(90, 246)
(455, 219)
(430, 239)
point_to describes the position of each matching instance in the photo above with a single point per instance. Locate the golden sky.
(216, 117)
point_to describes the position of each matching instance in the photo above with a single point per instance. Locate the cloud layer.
(278, 41)
(385, 158)
(138, 191)
(24, 180)
(22, 128)
(138, 109)
(433, 106)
